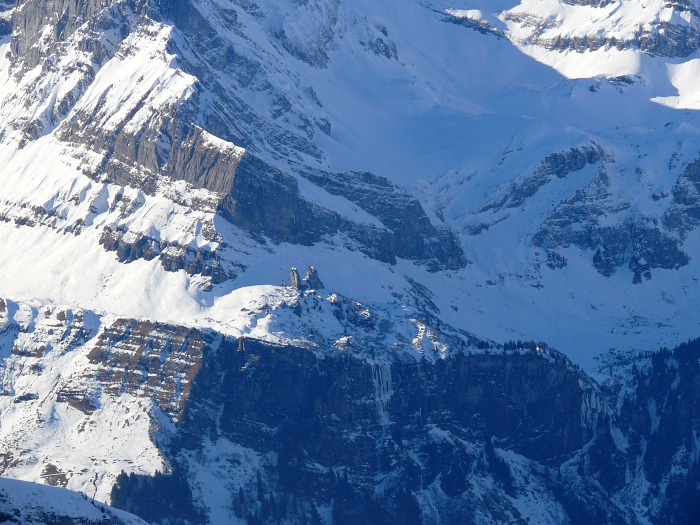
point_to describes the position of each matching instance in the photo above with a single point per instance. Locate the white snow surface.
(456, 118)
(533, 21)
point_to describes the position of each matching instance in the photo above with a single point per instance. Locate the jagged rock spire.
(312, 279)
(294, 279)
(311, 282)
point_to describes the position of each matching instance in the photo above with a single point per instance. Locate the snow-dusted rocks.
(660, 27)
(310, 281)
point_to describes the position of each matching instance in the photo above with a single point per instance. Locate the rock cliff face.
(414, 236)
(636, 243)
(343, 440)
(224, 429)
(553, 166)
(595, 220)
(650, 392)
(143, 358)
(267, 202)
(684, 213)
(355, 441)
(132, 147)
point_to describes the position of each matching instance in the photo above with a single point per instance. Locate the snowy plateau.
(498, 203)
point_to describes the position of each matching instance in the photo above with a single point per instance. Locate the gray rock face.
(314, 48)
(129, 246)
(479, 25)
(420, 428)
(6, 19)
(674, 41)
(177, 150)
(266, 201)
(172, 256)
(553, 166)
(595, 221)
(312, 279)
(294, 279)
(63, 18)
(43, 32)
(310, 282)
(212, 49)
(415, 237)
(638, 243)
(151, 359)
(559, 165)
(658, 399)
(683, 214)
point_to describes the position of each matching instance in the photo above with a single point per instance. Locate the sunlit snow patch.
(685, 78)
(601, 62)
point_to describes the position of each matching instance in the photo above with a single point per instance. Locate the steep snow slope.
(48, 389)
(30, 504)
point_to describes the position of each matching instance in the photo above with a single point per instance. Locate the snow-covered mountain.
(191, 150)
(459, 175)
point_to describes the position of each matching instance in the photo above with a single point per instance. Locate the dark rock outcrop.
(416, 238)
(378, 440)
(310, 282)
(150, 359)
(406, 442)
(266, 201)
(683, 214)
(658, 396)
(172, 256)
(294, 279)
(312, 279)
(553, 166)
(638, 243)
